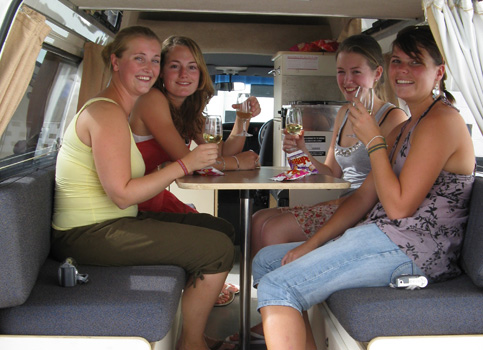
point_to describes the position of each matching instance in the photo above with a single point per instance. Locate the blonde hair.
(120, 42)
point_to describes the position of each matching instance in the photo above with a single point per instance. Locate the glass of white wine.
(293, 122)
(213, 132)
(366, 96)
(243, 112)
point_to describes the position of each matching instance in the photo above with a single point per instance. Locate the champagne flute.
(366, 96)
(213, 132)
(293, 123)
(243, 112)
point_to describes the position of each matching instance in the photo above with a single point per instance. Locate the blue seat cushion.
(472, 251)
(117, 301)
(450, 307)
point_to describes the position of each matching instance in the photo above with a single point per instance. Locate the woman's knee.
(280, 229)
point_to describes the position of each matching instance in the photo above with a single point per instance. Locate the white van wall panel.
(340, 8)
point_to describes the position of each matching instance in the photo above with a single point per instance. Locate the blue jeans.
(363, 257)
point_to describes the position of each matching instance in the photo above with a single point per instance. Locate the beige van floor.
(224, 320)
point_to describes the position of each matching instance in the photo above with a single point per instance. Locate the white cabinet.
(301, 76)
(328, 333)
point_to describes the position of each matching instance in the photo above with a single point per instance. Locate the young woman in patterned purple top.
(414, 204)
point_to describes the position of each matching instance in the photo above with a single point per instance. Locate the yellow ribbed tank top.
(79, 196)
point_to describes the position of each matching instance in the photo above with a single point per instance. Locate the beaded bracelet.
(375, 137)
(181, 164)
(237, 163)
(376, 147)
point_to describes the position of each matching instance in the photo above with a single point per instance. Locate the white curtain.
(457, 26)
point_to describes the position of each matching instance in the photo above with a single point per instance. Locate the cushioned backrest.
(25, 220)
(472, 252)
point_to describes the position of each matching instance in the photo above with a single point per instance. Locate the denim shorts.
(362, 257)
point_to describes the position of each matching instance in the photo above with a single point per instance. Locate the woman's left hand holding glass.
(255, 108)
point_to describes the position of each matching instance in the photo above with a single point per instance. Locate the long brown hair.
(188, 119)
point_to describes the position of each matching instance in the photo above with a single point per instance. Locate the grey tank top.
(354, 160)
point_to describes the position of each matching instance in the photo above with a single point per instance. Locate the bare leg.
(284, 328)
(310, 340)
(196, 306)
(258, 221)
(271, 226)
(282, 228)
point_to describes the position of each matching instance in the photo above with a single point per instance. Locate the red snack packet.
(209, 171)
(299, 160)
(293, 174)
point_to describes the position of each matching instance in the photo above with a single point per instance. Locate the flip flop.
(234, 288)
(255, 339)
(228, 302)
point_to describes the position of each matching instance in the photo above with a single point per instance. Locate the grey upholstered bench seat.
(453, 307)
(138, 301)
(449, 308)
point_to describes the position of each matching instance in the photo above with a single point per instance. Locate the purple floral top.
(432, 237)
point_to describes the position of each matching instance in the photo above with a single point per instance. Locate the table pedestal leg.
(246, 205)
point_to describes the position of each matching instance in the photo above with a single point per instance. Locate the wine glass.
(213, 132)
(293, 123)
(366, 96)
(244, 112)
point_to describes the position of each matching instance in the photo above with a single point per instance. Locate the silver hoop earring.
(436, 91)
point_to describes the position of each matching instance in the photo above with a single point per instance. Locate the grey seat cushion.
(472, 251)
(25, 219)
(118, 301)
(451, 307)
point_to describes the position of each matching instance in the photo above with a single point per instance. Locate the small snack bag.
(301, 161)
(300, 166)
(209, 171)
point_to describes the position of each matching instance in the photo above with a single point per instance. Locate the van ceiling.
(379, 9)
(249, 33)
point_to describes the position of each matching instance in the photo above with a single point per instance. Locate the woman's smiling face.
(139, 65)
(180, 74)
(413, 78)
(353, 71)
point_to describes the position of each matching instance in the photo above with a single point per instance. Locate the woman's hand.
(248, 160)
(202, 156)
(293, 142)
(363, 124)
(254, 106)
(298, 252)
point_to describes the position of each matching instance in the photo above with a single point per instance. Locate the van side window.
(35, 130)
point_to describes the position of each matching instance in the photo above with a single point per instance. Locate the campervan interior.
(241, 41)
